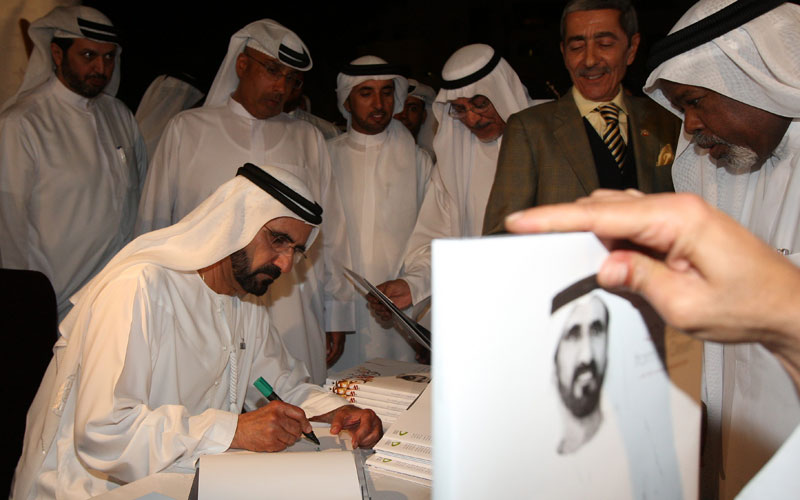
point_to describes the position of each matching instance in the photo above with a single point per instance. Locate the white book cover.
(402, 449)
(382, 376)
(395, 464)
(414, 425)
(550, 387)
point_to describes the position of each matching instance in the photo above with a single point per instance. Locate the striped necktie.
(611, 134)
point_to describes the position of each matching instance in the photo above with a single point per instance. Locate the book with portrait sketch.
(581, 392)
(394, 380)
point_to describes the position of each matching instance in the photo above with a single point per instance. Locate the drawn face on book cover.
(415, 377)
(581, 355)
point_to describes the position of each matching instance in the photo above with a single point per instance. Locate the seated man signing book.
(158, 357)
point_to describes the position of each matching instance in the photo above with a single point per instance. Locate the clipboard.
(417, 331)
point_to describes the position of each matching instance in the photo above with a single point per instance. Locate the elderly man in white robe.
(382, 175)
(479, 92)
(242, 121)
(737, 89)
(72, 161)
(158, 357)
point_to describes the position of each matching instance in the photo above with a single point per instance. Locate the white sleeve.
(434, 221)
(339, 300)
(424, 168)
(158, 193)
(289, 378)
(118, 430)
(18, 170)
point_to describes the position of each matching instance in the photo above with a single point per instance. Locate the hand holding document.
(417, 331)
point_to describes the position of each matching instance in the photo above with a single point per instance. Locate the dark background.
(181, 36)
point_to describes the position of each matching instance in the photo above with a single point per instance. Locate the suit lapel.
(645, 148)
(570, 134)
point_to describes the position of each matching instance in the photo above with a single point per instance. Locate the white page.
(300, 475)
(499, 421)
(304, 470)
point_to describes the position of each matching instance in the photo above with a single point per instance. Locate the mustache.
(708, 141)
(594, 70)
(97, 76)
(590, 367)
(271, 270)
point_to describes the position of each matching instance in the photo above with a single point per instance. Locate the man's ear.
(347, 104)
(58, 55)
(241, 65)
(632, 48)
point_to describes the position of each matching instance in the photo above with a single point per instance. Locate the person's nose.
(471, 118)
(284, 261)
(691, 122)
(589, 55)
(584, 349)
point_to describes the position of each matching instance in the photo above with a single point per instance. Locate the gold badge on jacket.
(665, 156)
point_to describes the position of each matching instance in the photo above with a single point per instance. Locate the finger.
(296, 416)
(646, 221)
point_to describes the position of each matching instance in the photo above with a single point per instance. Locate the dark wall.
(178, 36)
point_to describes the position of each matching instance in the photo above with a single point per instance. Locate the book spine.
(343, 386)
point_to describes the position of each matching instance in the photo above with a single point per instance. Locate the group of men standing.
(75, 188)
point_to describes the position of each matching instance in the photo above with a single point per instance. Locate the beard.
(735, 158)
(370, 126)
(80, 85)
(249, 280)
(582, 397)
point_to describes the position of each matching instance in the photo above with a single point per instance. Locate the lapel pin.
(645, 132)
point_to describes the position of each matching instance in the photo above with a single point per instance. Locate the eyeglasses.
(480, 105)
(275, 73)
(282, 244)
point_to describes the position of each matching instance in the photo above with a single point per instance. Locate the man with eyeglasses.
(594, 136)
(479, 92)
(159, 356)
(242, 121)
(384, 175)
(72, 160)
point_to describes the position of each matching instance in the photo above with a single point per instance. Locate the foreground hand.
(272, 427)
(364, 426)
(398, 292)
(334, 346)
(701, 270)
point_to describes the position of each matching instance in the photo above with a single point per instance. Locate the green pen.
(269, 393)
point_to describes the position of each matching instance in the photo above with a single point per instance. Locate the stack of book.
(405, 449)
(384, 386)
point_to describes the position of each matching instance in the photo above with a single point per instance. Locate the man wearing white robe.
(752, 403)
(166, 96)
(382, 175)
(158, 357)
(242, 121)
(417, 114)
(72, 161)
(456, 199)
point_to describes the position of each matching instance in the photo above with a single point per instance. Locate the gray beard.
(736, 159)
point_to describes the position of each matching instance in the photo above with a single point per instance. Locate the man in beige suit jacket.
(555, 152)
